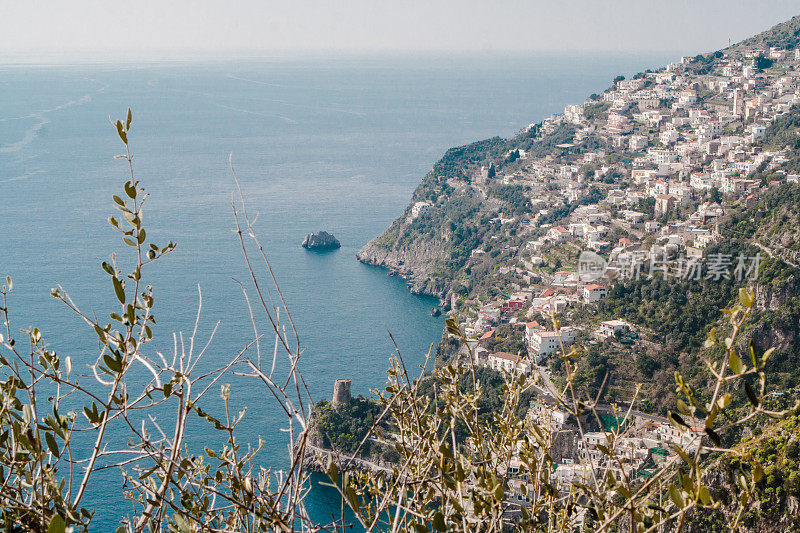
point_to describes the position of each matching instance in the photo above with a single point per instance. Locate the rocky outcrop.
(762, 515)
(414, 262)
(321, 240)
(317, 459)
(769, 298)
(778, 326)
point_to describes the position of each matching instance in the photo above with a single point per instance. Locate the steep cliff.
(415, 261)
(776, 502)
(434, 236)
(771, 225)
(452, 210)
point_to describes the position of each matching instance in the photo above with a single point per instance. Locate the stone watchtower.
(341, 392)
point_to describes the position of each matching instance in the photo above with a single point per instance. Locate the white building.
(610, 327)
(687, 97)
(489, 314)
(543, 343)
(618, 124)
(593, 293)
(574, 114)
(509, 363)
(757, 131)
(662, 157)
(710, 210)
(669, 137)
(531, 328)
(633, 217)
(701, 181)
(565, 474)
(557, 234)
(418, 209)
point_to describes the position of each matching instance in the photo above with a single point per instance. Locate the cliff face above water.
(430, 243)
(425, 245)
(446, 220)
(415, 262)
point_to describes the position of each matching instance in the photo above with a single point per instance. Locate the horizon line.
(77, 57)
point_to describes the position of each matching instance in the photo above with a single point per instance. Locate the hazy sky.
(149, 28)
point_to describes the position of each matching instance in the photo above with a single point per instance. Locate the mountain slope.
(783, 35)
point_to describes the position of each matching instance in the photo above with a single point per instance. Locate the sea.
(334, 143)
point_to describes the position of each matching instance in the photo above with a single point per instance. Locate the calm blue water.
(334, 144)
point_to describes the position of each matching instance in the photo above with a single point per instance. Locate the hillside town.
(650, 167)
(681, 144)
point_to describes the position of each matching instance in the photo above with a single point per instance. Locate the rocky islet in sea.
(321, 240)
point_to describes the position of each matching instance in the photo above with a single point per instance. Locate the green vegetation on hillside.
(515, 198)
(680, 312)
(773, 221)
(456, 161)
(783, 35)
(564, 133)
(343, 428)
(776, 447)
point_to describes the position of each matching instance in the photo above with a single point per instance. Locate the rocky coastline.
(413, 265)
(317, 459)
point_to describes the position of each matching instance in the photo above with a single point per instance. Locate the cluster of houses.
(676, 137)
(674, 149)
(628, 444)
(700, 131)
(539, 342)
